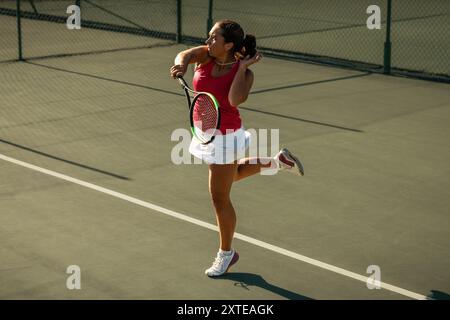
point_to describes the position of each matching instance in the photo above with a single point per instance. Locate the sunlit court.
(101, 197)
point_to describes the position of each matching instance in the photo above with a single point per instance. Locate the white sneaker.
(222, 263)
(287, 161)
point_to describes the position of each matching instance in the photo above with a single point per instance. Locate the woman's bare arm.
(186, 57)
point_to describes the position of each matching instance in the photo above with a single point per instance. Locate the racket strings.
(205, 116)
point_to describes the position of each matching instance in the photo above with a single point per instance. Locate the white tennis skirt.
(224, 149)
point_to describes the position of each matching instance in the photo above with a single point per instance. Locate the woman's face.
(217, 47)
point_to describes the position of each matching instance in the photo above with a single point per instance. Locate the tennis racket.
(204, 113)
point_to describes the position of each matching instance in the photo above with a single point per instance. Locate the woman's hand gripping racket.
(204, 113)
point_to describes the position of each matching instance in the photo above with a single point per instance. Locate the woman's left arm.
(243, 81)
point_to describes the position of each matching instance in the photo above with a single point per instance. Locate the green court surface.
(86, 179)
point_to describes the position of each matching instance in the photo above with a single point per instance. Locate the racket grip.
(181, 80)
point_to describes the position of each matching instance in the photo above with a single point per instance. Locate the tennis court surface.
(86, 179)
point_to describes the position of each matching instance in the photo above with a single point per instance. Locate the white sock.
(226, 253)
(275, 163)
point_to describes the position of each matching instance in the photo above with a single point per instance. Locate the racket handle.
(181, 81)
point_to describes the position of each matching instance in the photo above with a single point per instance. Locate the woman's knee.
(220, 199)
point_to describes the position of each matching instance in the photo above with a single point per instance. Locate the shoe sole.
(297, 161)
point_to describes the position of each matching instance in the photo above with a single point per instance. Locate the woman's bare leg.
(221, 178)
(250, 166)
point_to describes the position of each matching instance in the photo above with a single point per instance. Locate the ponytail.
(249, 46)
(243, 46)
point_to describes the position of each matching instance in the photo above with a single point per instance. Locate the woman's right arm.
(184, 58)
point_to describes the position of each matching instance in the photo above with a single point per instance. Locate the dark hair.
(232, 32)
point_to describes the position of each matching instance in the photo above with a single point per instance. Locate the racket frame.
(191, 105)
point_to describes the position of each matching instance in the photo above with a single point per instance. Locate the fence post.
(78, 3)
(179, 35)
(210, 17)
(387, 43)
(19, 29)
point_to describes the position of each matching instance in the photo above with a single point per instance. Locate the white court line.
(206, 225)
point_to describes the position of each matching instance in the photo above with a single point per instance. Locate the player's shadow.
(246, 280)
(438, 295)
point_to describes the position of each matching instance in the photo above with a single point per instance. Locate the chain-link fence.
(105, 25)
(324, 31)
(421, 36)
(320, 29)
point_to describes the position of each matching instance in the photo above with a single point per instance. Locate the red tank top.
(219, 87)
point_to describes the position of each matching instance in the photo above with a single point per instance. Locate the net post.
(19, 30)
(387, 43)
(210, 16)
(179, 35)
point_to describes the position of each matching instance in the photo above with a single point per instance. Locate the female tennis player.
(222, 69)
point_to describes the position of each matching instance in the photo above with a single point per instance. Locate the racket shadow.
(246, 280)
